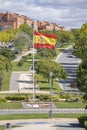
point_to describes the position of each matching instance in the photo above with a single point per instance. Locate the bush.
(85, 124)
(82, 120)
(15, 98)
(86, 107)
(56, 98)
(2, 100)
(43, 97)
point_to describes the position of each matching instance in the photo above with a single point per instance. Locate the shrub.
(2, 100)
(56, 98)
(85, 124)
(86, 106)
(43, 97)
(82, 120)
(15, 98)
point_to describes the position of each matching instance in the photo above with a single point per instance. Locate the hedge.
(82, 120)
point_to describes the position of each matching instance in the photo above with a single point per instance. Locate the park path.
(47, 124)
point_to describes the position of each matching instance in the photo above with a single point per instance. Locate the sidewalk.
(45, 124)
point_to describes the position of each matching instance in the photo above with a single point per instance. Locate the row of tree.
(80, 50)
(24, 36)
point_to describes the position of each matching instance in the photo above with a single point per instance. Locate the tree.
(5, 37)
(5, 64)
(7, 53)
(75, 32)
(80, 50)
(21, 42)
(82, 77)
(64, 37)
(46, 53)
(44, 67)
(1, 78)
(27, 29)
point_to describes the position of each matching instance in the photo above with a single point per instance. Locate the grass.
(66, 45)
(18, 105)
(1, 127)
(7, 74)
(11, 105)
(70, 105)
(6, 80)
(24, 67)
(45, 86)
(37, 116)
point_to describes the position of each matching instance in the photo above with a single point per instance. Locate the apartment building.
(14, 20)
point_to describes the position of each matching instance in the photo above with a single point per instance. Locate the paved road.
(70, 63)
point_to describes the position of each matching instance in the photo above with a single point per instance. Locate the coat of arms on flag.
(42, 40)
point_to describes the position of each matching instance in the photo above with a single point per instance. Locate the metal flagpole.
(33, 64)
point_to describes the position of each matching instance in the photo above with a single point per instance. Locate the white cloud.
(68, 13)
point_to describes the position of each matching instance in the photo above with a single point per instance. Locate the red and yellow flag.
(44, 40)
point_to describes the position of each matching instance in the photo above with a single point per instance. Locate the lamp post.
(33, 63)
(51, 110)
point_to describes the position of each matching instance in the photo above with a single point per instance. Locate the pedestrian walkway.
(22, 81)
(45, 124)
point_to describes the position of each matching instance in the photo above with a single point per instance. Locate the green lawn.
(70, 105)
(24, 67)
(7, 74)
(18, 105)
(11, 105)
(1, 127)
(37, 116)
(6, 80)
(45, 86)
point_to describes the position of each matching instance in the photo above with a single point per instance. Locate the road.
(70, 63)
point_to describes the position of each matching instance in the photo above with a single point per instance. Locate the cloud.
(68, 13)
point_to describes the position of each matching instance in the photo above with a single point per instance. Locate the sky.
(67, 13)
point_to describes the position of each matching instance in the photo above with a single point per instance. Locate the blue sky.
(68, 13)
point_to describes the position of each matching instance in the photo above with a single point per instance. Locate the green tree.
(27, 29)
(80, 50)
(82, 77)
(44, 67)
(46, 53)
(5, 64)
(5, 37)
(7, 53)
(20, 44)
(75, 32)
(66, 37)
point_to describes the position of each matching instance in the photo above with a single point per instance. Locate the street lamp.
(51, 111)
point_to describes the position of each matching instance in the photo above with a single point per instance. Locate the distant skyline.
(67, 13)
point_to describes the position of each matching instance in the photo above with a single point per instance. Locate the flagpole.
(33, 64)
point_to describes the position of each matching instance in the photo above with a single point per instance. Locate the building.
(14, 20)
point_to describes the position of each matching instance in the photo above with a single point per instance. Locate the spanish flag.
(44, 40)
